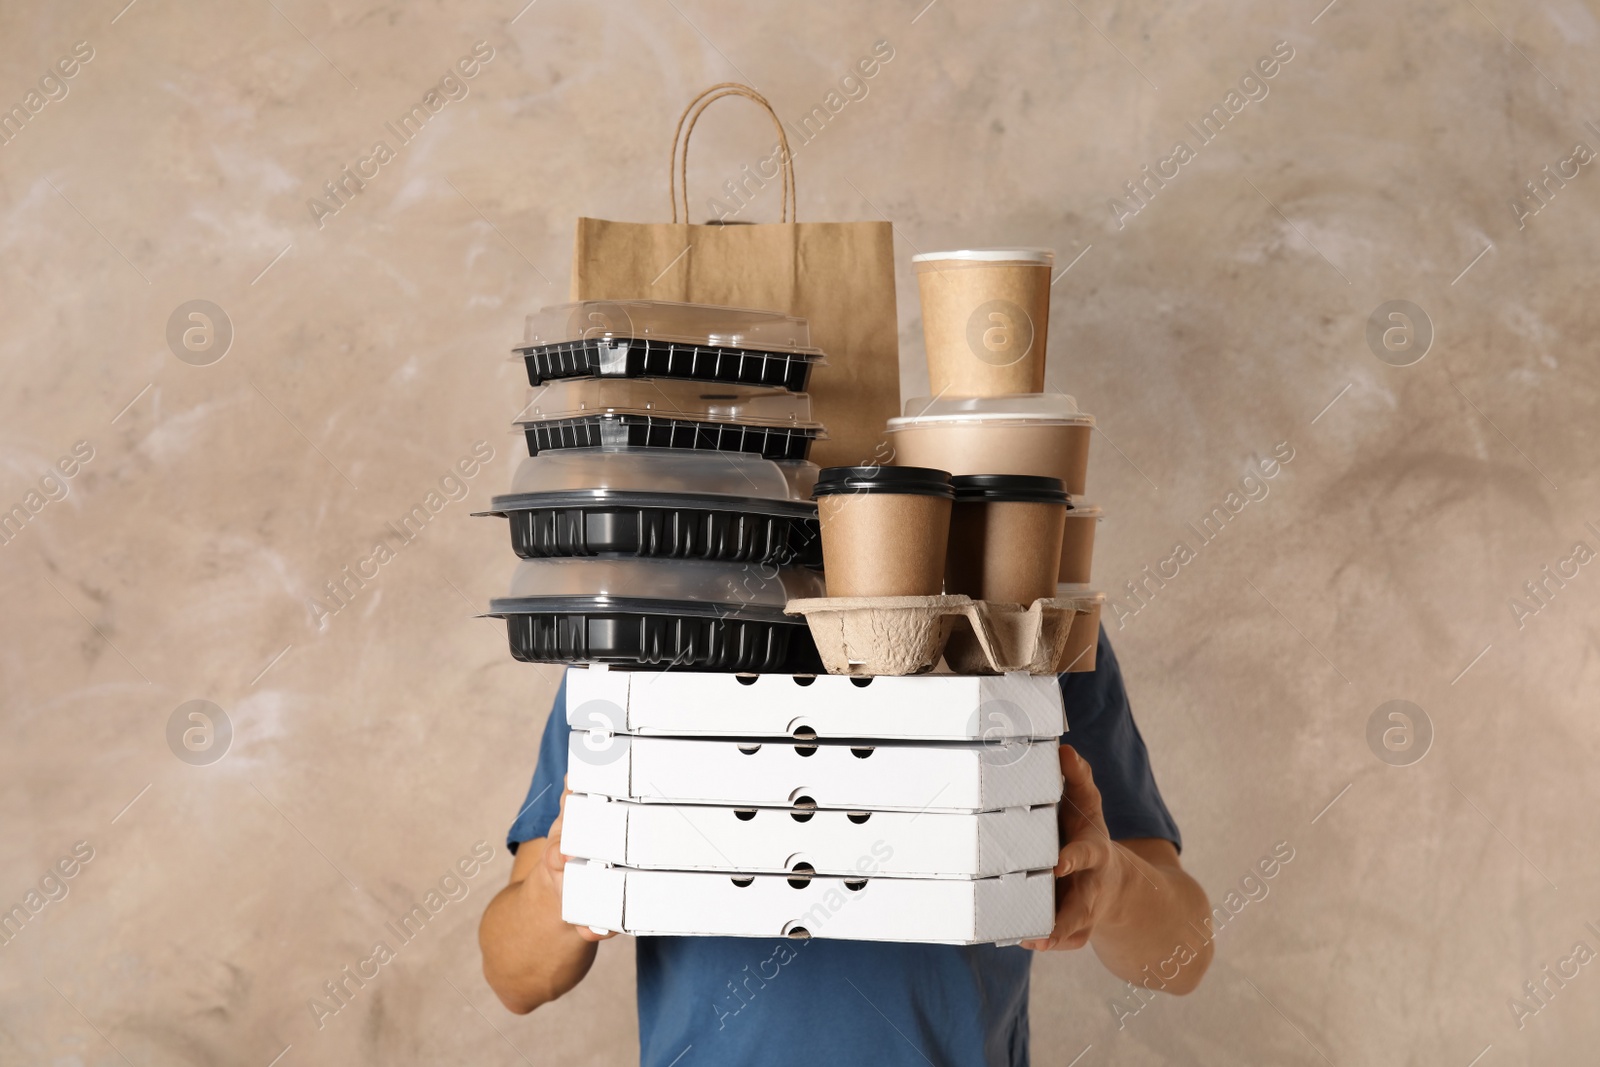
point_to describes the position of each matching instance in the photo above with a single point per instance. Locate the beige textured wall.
(368, 356)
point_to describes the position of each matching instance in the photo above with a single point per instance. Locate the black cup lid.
(1016, 488)
(906, 481)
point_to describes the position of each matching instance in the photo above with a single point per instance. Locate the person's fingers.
(552, 850)
(1075, 909)
(553, 859)
(1069, 932)
(561, 817)
(1083, 854)
(1075, 912)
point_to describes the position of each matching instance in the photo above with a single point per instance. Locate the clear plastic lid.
(735, 585)
(1019, 407)
(752, 405)
(802, 475)
(1077, 509)
(655, 470)
(663, 320)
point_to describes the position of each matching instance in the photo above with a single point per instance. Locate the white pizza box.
(917, 708)
(899, 844)
(952, 776)
(1006, 908)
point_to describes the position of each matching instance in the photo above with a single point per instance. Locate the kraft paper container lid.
(664, 320)
(751, 405)
(1008, 488)
(654, 470)
(1042, 257)
(1043, 408)
(903, 481)
(676, 581)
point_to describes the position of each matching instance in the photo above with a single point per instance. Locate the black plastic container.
(657, 431)
(636, 357)
(659, 614)
(665, 339)
(652, 635)
(667, 526)
(668, 413)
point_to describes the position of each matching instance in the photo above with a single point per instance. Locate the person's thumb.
(1080, 798)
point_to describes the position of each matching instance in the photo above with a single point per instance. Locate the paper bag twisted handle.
(679, 169)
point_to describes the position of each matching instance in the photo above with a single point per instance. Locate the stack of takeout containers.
(662, 515)
(722, 782)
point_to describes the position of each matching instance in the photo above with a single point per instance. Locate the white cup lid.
(1042, 256)
(1016, 407)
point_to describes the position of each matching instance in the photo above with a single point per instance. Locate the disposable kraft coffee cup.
(1005, 537)
(884, 530)
(1077, 543)
(985, 319)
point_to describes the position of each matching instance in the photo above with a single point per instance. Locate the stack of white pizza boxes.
(917, 808)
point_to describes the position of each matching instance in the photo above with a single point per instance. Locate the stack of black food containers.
(662, 516)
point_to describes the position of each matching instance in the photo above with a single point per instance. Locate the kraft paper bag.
(838, 275)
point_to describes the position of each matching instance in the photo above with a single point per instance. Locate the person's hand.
(552, 865)
(1092, 869)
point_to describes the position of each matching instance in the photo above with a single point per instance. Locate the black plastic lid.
(1016, 488)
(906, 481)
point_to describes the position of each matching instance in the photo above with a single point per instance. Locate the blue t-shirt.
(777, 1002)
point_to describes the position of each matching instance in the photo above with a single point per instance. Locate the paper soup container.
(1077, 543)
(1005, 537)
(1041, 434)
(884, 530)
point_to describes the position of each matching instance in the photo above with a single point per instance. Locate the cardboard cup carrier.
(884, 530)
(985, 317)
(1005, 537)
(1078, 652)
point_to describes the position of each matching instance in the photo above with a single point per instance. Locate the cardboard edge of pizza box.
(905, 776)
(996, 910)
(911, 708)
(825, 842)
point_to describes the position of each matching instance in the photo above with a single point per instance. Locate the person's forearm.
(531, 957)
(1157, 934)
